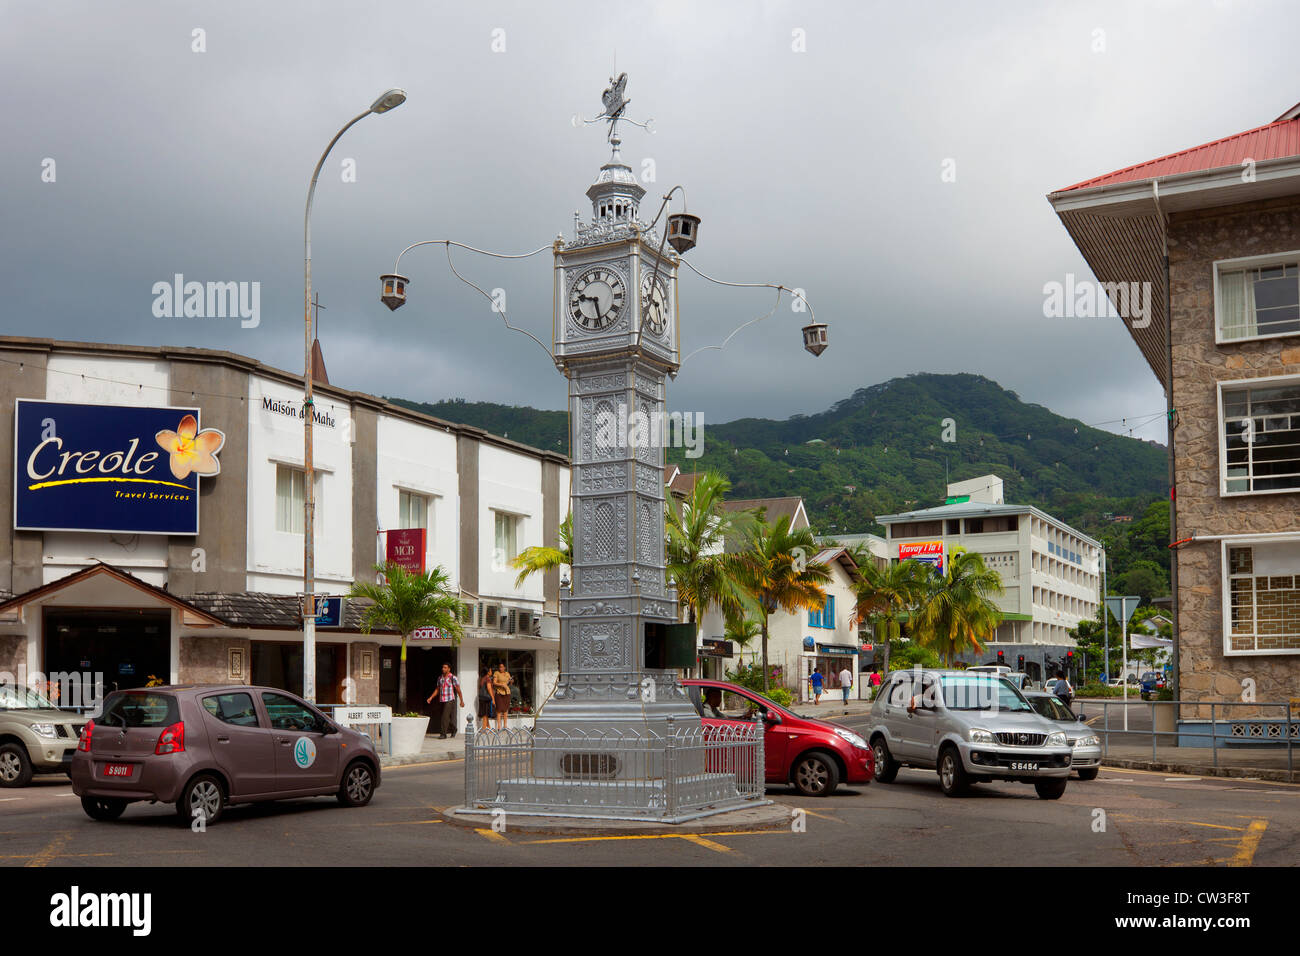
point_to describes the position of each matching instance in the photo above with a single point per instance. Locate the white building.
(1051, 572)
(221, 605)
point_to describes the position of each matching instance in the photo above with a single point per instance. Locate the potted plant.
(404, 601)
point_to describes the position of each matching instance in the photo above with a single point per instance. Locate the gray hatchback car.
(205, 747)
(969, 727)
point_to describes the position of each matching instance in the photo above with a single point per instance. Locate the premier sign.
(121, 469)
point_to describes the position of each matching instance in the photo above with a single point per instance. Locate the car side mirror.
(771, 717)
(329, 727)
(1080, 716)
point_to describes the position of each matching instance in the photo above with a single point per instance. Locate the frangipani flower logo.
(192, 450)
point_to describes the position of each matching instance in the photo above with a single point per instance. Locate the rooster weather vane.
(616, 107)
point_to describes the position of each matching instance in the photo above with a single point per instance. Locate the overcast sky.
(820, 168)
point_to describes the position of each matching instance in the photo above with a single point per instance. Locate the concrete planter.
(408, 735)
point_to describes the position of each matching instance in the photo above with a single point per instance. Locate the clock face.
(596, 298)
(654, 303)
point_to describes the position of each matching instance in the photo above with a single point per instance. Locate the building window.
(917, 529)
(1260, 431)
(1262, 598)
(825, 617)
(506, 547)
(1257, 298)
(289, 499)
(412, 510)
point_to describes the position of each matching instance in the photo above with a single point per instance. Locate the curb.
(1253, 773)
(427, 757)
(770, 817)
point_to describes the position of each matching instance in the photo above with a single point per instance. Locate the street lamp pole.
(386, 102)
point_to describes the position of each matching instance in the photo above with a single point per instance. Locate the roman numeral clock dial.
(596, 299)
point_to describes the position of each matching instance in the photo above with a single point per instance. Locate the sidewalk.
(1251, 764)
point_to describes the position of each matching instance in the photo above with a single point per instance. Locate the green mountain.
(882, 450)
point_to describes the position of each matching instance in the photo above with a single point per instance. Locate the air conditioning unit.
(509, 620)
(523, 623)
(491, 616)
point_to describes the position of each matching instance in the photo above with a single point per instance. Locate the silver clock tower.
(618, 737)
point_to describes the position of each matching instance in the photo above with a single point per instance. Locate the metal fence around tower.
(619, 774)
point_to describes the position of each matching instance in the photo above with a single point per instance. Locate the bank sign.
(111, 468)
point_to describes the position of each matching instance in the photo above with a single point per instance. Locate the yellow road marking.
(823, 816)
(1245, 854)
(707, 844)
(51, 849)
(692, 837)
(427, 763)
(404, 823)
(491, 835)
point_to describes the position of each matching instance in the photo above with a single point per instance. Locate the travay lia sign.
(112, 468)
(927, 552)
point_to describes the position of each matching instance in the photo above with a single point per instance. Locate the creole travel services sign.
(110, 468)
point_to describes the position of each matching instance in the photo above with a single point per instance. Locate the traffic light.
(1001, 657)
(1020, 662)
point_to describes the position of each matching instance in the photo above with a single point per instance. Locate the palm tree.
(883, 594)
(958, 613)
(405, 601)
(741, 630)
(543, 558)
(696, 532)
(773, 567)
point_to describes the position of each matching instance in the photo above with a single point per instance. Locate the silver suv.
(35, 736)
(967, 726)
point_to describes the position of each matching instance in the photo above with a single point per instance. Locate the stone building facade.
(1214, 232)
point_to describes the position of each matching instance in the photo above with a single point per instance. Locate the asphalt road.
(1149, 819)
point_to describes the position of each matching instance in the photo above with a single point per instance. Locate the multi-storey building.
(132, 571)
(1051, 573)
(1210, 238)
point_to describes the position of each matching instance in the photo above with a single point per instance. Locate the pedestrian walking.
(448, 693)
(1062, 689)
(816, 680)
(486, 706)
(501, 681)
(875, 683)
(846, 682)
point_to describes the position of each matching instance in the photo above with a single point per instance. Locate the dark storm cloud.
(820, 169)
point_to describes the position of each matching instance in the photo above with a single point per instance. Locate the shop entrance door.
(123, 648)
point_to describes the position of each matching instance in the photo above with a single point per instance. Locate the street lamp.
(387, 101)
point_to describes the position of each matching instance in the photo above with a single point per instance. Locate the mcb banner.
(112, 468)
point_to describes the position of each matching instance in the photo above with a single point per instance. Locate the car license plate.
(1023, 765)
(117, 770)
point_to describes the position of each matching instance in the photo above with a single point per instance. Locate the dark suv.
(205, 747)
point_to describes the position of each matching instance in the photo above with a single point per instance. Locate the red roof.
(1277, 140)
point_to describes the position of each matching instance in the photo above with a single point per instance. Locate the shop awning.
(192, 615)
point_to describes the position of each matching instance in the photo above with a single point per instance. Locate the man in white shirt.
(846, 683)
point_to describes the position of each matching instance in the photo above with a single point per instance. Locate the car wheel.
(1050, 789)
(1089, 773)
(15, 767)
(102, 808)
(358, 785)
(886, 766)
(202, 795)
(952, 775)
(815, 775)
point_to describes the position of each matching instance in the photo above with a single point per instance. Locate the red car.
(813, 755)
